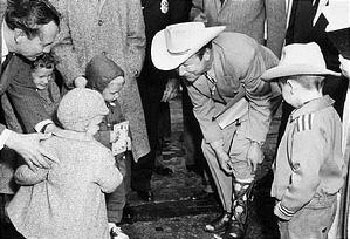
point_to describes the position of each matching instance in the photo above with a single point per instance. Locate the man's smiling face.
(31, 47)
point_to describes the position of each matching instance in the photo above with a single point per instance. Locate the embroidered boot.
(237, 225)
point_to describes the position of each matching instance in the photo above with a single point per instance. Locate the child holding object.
(105, 76)
(309, 167)
(67, 201)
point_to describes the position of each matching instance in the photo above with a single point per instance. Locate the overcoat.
(117, 30)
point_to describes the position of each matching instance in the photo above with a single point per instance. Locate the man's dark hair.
(30, 15)
(201, 51)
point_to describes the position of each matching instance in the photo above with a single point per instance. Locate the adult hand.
(223, 158)
(254, 155)
(29, 147)
(80, 82)
(198, 16)
(171, 90)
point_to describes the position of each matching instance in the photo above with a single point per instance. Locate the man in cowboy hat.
(231, 103)
(309, 167)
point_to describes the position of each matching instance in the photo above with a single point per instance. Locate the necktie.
(5, 72)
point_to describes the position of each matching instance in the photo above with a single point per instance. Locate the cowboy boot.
(219, 224)
(237, 225)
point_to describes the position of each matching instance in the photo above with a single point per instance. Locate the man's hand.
(28, 146)
(197, 15)
(171, 90)
(80, 82)
(255, 155)
(223, 158)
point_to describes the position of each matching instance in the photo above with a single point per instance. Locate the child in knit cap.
(67, 201)
(105, 76)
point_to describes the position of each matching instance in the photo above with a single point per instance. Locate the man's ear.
(292, 85)
(19, 34)
(207, 54)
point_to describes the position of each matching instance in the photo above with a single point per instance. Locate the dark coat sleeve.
(25, 100)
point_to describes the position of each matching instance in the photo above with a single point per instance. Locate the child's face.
(93, 125)
(110, 93)
(41, 77)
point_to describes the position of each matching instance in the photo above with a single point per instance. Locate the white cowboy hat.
(299, 59)
(176, 43)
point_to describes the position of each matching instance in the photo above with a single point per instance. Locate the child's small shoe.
(116, 232)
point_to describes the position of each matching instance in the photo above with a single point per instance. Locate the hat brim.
(289, 70)
(164, 60)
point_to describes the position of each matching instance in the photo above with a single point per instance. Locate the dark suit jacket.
(302, 30)
(157, 18)
(23, 96)
(28, 105)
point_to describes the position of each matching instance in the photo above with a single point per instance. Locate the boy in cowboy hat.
(231, 103)
(309, 167)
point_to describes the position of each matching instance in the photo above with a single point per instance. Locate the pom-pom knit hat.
(79, 105)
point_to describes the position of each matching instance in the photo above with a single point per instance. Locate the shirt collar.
(211, 74)
(75, 135)
(313, 105)
(4, 49)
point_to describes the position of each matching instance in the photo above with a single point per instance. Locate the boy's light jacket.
(309, 161)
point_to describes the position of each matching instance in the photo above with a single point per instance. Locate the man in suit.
(29, 29)
(152, 84)
(263, 20)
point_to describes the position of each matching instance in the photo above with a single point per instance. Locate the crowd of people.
(81, 86)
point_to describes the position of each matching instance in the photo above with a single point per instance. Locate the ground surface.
(174, 214)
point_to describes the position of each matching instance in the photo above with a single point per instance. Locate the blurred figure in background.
(263, 20)
(152, 83)
(116, 29)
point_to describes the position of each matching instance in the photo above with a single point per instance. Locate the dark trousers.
(151, 95)
(192, 136)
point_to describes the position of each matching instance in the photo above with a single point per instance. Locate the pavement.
(176, 214)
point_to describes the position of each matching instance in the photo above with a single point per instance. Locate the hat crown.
(303, 54)
(179, 38)
(299, 59)
(176, 43)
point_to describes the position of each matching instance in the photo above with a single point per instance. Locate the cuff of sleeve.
(283, 212)
(41, 126)
(256, 142)
(5, 134)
